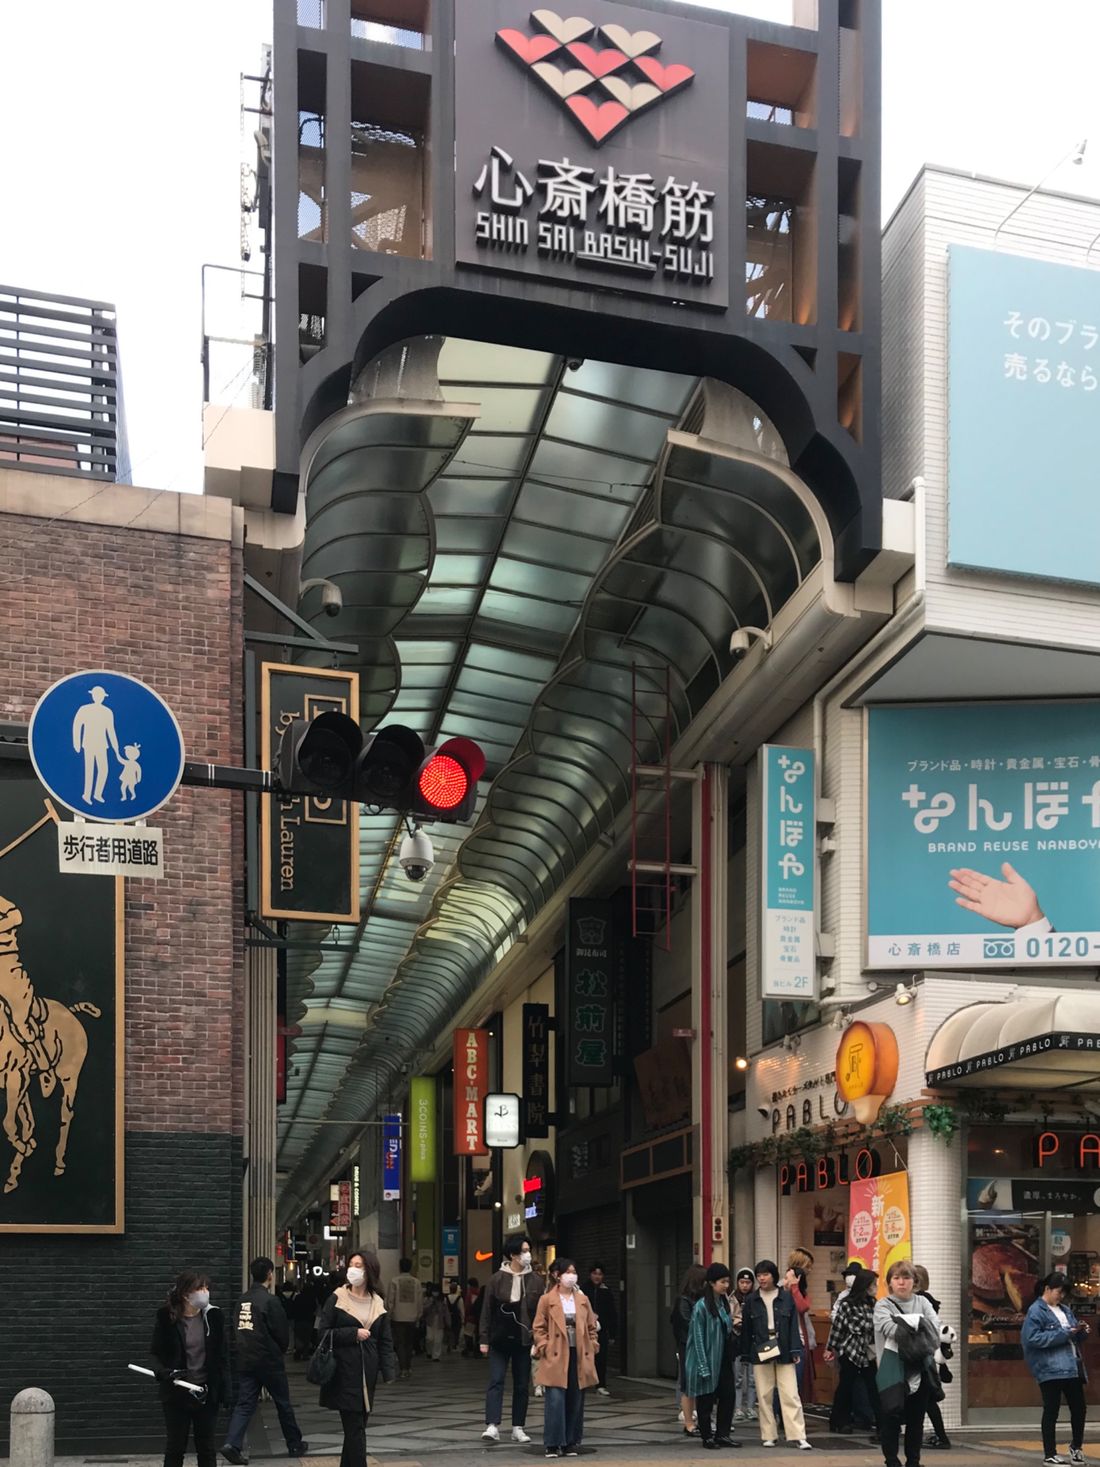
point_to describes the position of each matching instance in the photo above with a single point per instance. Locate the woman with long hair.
(691, 1291)
(796, 1282)
(708, 1372)
(565, 1346)
(189, 1344)
(852, 1344)
(1051, 1340)
(355, 1317)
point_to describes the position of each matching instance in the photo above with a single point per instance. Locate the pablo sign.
(613, 170)
(823, 1172)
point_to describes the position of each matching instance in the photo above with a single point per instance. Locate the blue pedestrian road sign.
(106, 746)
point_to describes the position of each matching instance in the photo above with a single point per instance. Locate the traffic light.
(389, 769)
(445, 787)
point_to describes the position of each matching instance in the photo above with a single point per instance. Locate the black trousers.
(354, 1452)
(180, 1419)
(911, 1418)
(1052, 1392)
(850, 1376)
(723, 1398)
(601, 1360)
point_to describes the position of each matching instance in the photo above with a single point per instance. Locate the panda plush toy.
(945, 1352)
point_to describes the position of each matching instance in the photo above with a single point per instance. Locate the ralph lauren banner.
(590, 1058)
(471, 1062)
(61, 1031)
(309, 844)
(536, 1070)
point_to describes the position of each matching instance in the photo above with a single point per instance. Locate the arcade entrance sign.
(613, 169)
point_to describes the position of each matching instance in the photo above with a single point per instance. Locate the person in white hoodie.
(511, 1297)
(907, 1331)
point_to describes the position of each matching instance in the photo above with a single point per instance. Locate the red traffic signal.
(445, 787)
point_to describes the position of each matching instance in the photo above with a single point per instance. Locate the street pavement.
(437, 1416)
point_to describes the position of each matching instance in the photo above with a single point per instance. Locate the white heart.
(636, 44)
(565, 83)
(563, 30)
(631, 97)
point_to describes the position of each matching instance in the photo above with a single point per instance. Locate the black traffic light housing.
(390, 769)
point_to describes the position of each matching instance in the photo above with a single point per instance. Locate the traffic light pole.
(14, 750)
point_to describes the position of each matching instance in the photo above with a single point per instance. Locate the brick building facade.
(148, 584)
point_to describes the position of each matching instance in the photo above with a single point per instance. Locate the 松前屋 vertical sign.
(788, 967)
(590, 1058)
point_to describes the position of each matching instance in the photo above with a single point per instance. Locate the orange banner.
(879, 1233)
(471, 1061)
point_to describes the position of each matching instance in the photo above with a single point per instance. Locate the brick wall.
(116, 581)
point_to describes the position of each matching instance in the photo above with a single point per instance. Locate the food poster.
(879, 1232)
(1005, 1266)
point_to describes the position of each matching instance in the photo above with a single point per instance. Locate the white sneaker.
(538, 1390)
(491, 1434)
(1077, 1456)
(1055, 1461)
(739, 1415)
(805, 1446)
(602, 1391)
(680, 1417)
(767, 1444)
(519, 1435)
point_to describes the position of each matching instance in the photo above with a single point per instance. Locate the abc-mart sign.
(592, 149)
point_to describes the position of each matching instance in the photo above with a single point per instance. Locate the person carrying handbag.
(355, 1328)
(907, 1332)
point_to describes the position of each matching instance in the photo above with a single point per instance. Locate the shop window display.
(1029, 1209)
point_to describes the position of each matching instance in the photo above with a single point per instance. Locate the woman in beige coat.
(565, 1346)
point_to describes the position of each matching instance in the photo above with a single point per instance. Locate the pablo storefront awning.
(1032, 1044)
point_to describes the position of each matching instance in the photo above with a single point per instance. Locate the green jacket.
(708, 1340)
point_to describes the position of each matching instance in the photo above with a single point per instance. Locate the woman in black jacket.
(691, 1290)
(363, 1346)
(189, 1344)
(771, 1339)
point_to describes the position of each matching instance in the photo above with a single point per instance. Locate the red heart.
(599, 63)
(599, 121)
(529, 48)
(668, 78)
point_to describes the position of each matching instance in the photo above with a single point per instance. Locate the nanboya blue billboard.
(983, 835)
(1024, 415)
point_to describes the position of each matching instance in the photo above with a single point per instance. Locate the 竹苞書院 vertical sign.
(788, 967)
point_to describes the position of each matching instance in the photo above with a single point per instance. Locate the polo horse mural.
(40, 1037)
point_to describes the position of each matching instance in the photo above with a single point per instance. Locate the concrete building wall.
(148, 584)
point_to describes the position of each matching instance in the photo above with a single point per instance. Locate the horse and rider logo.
(40, 1038)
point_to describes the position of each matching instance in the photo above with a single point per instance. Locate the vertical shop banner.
(471, 1085)
(788, 965)
(983, 835)
(536, 1070)
(450, 1251)
(1023, 377)
(309, 844)
(878, 1223)
(422, 1129)
(341, 1208)
(391, 1158)
(590, 973)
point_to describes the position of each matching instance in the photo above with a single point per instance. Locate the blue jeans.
(248, 1397)
(746, 1386)
(520, 1356)
(563, 1419)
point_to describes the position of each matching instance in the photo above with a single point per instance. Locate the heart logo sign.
(623, 65)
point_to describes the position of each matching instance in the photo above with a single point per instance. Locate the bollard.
(32, 1428)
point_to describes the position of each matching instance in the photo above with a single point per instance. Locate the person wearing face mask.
(507, 1314)
(566, 1342)
(907, 1334)
(851, 1272)
(355, 1316)
(189, 1343)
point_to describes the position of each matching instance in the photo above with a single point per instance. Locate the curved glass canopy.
(502, 577)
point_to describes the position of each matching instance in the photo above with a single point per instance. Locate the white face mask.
(569, 1280)
(199, 1299)
(525, 1259)
(356, 1277)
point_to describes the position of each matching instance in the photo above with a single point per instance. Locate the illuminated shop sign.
(832, 1170)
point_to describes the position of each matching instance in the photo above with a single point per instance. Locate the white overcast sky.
(122, 165)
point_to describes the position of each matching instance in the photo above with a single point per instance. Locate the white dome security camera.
(417, 855)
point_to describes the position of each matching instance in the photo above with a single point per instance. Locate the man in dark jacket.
(507, 1313)
(261, 1335)
(602, 1300)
